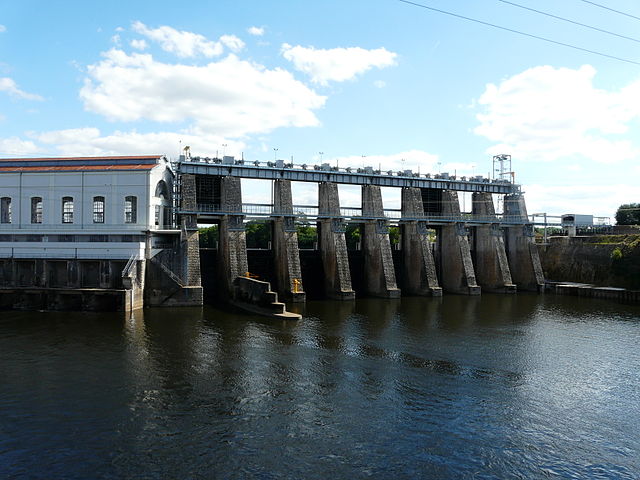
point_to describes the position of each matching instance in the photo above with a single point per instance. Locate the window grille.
(5, 210)
(130, 209)
(36, 209)
(67, 210)
(98, 209)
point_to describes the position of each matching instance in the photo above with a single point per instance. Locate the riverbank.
(591, 291)
(597, 260)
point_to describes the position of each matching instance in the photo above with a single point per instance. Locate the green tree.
(352, 235)
(307, 236)
(628, 214)
(258, 234)
(208, 236)
(394, 235)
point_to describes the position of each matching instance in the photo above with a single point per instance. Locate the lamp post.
(224, 148)
(275, 154)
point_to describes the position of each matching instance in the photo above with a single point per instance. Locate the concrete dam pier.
(442, 249)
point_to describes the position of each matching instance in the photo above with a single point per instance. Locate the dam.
(473, 251)
(134, 236)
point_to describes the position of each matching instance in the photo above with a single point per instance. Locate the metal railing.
(353, 214)
(131, 264)
(168, 271)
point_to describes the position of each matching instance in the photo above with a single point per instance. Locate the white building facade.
(85, 207)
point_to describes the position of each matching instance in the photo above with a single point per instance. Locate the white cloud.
(139, 44)
(336, 64)
(3, 28)
(547, 114)
(258, 191)
(256, 31)
(232, 42)
(600, 200)
(15, 146)
(231, 97)
(116, 39)
(183, 44)
(379, 84)
(415, 160)
(9, 85)
(90, 141)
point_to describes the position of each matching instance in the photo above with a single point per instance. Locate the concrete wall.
(64, 299)
(60, 284)
(591, 260)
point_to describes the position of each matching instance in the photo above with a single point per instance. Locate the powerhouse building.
(82, 223)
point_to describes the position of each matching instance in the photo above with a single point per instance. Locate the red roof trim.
(121, 157)
(76, 168)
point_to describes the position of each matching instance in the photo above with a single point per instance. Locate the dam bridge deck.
(279, 170)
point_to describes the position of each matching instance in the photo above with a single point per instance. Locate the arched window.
(5, 210)
(130, 209)
(67, 209)
(98, 209)
(36, 209)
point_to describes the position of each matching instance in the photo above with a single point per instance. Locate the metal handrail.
(168, 271)
(126, 271)
(355, 213)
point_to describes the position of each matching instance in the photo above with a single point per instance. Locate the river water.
(520, 386)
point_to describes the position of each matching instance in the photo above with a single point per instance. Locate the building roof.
(105, 163)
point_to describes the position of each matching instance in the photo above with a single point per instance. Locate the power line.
(611, 9)
(570, 21)
(521, 33)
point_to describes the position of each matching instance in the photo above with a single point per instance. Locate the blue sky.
(378, 82)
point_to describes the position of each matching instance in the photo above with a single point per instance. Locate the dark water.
(491, 387)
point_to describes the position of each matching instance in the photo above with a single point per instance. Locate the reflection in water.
(496, 386)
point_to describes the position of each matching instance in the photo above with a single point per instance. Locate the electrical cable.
(570, 21)
(610, 9)
(521, 33)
